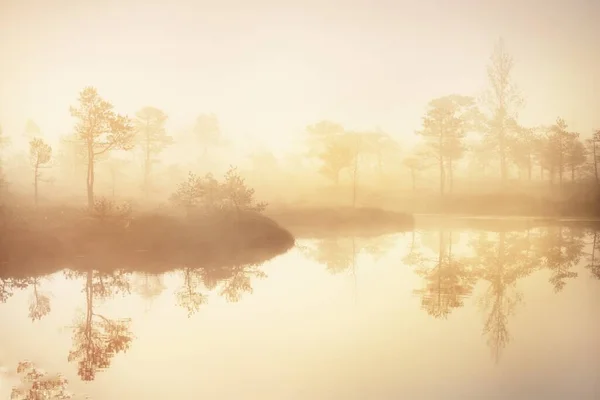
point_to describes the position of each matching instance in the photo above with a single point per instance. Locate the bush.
(207, 195)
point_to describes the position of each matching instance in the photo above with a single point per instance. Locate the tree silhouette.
(190, 193)
(237, 195)
(363, 145)
(209, 195)
(330, 145)
(576, 157)
(561, 143)
(524, 147)
(40, 154)
(444, 125)
(101, 130)
(593, 145)
(96, 338)
(152, 138)
(503, 101)
(337, 156)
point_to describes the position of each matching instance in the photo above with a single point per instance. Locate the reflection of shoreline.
(98, 338)
(149, 243)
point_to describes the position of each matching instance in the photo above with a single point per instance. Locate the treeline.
(457, 130)
(546, 152)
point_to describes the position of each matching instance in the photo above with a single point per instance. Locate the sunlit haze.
(300, 200)
(268, 69)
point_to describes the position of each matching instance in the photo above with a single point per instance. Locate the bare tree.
(40, 154)
(503, 100)
(101, 130)
(152, 138)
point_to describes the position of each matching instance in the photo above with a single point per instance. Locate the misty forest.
(466, 207)
(472, 156)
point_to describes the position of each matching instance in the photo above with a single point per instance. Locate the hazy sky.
(269, 68)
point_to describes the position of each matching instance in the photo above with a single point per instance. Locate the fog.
(205, 146)
(378, 80)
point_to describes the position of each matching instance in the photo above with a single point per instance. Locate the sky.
(270, 68)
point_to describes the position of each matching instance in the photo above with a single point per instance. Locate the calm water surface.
(430, 314)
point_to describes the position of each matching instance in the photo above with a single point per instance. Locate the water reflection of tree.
(561, 249)
(232, 282)
(8, 287)
(39, 304)
(96, 338)
(339, 254)
(594, 255)
(500, 260)
(336, 254)
(448, 279)
(39, 385)
(189, 295)
(149, 286)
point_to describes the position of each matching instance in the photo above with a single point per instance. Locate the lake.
(437, 313)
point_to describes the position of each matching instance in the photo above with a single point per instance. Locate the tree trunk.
(595, 163)
(442, 170)
(90, 176)
(450, 177)
(529, 168)
(572, 173)
(594, 251)
(35, 184)
(147, 162)
(414, 178)
(355, 177)
(503, 165)
(560, 163)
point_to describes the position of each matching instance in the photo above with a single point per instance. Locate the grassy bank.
(41, 242)
(502, 205)
(334, 221)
